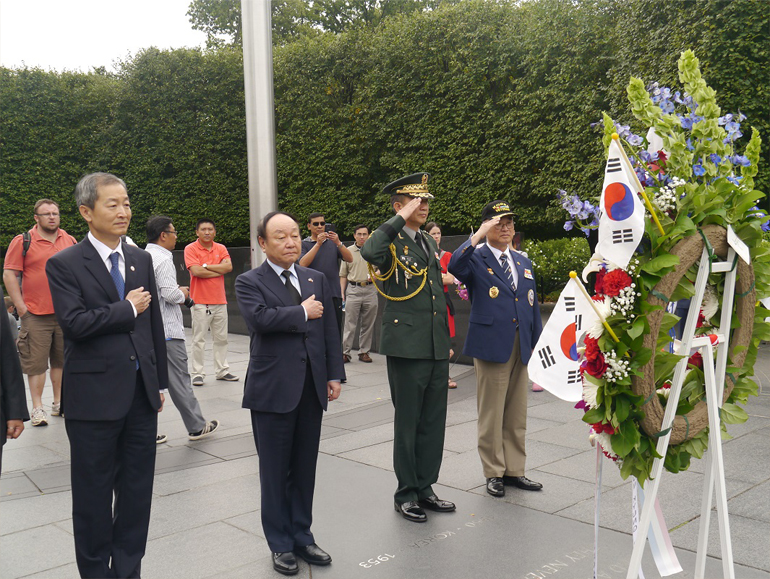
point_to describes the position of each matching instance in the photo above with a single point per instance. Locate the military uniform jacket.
(415, 328)
(497, 311)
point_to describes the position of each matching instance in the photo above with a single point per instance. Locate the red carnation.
(696, 360)
(615, 281)
(592, 348)
(600, 427)
(599, 283)
(596, 367)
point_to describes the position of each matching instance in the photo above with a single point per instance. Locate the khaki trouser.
(205, 318)
(502, 406)
(360, 302)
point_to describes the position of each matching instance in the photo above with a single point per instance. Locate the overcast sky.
(82, 34)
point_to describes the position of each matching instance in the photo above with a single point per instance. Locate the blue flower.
(732, 127)
(686, 122)
(568, 225)
(645, 156)
(635, 140)
(725, 119)
(586, 231)
(698, 169)
(741, 160)
(714, 158)
(734, 180)
(689, 145)
(678, 98)
(667, 106)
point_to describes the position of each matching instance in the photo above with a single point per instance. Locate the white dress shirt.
(293, 278)
(497, 253)
(105, 252)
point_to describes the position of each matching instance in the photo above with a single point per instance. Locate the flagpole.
(574, 276)
(616, 137)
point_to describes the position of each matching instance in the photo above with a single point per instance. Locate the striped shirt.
(170, 294)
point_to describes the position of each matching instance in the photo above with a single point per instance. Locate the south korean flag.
(555, 363)
(621, 223)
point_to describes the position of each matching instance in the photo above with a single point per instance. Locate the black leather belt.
(359, 283)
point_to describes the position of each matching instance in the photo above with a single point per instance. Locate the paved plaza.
(205, 516)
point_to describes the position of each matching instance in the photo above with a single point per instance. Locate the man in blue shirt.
(322, 251)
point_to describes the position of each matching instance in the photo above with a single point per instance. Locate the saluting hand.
(485, 226)
(313, 307)
(140, 298)
(407, 210)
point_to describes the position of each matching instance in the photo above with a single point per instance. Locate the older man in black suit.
(294, 370)
(106, 302)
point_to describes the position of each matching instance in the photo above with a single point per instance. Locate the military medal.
(531, 297)
(494, 292)
(406, 250)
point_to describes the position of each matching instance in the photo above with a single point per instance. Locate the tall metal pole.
(260, 121)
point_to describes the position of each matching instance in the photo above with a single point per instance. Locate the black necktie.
(295, 297)
(421, 242)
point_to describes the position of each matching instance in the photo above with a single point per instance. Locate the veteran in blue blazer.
(504, 327)
(295, 369)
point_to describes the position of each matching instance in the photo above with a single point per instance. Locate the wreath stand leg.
(714, 385)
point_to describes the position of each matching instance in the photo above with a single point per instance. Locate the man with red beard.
(40, 338)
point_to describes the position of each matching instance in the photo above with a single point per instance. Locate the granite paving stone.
(352, 440)
(52, 547)
(51, 479)
(582, 466)
(573, 434)
(543, 453)
(16, 485)
(201, 551)
(555, 409)
(753, 503)
(200, 476)
(35, 512)
(746, 458)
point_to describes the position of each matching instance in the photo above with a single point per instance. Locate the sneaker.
(208, 429)
(56, 409)
(228, 377)
(161, 438)
(536, 387)
(198, 381)
(39, 417)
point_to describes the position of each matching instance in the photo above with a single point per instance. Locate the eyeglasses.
(170, 232)
(504, 225)
(51, 214)
(318, 223)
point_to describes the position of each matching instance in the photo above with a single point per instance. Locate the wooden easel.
(714, 374)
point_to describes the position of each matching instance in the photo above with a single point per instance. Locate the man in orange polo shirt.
(208, 262)
(40, 337)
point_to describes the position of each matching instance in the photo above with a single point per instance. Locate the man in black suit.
(295, 368)
(13, 397)
(106, 302)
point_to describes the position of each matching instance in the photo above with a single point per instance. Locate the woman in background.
(434, 231)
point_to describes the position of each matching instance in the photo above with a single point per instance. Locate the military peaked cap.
(415, 185)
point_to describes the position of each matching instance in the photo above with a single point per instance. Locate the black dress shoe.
(523, 483)
(495, 486)
(411, 511)
(436, 504)
(285, 563)
(313, 554)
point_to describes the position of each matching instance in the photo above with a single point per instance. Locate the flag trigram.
(569, 303)
(613, 165)
(573, 376)
(622, 236)
(578, 322)
(546, 357)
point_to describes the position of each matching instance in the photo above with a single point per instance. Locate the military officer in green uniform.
(415, 339)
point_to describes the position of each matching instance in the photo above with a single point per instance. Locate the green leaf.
(732, 414)
(594, 415)
(625, 439)
(661, 262)
(622, 408)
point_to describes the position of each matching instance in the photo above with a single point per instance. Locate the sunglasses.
(318, 223)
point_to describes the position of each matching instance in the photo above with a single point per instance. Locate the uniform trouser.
(360, 302)
(418, 389)
(502, 407)
(213, 317)
(287, 445)
(113, 466)
(180, 387)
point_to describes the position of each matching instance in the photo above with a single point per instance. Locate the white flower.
(605, 309)
(589, 394)
(604, 441)
(710, 303)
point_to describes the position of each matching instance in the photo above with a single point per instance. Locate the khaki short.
(40, 339)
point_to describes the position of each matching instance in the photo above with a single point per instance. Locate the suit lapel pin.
(494, 292)
(310, 279)
(489, 269)
(133, 268)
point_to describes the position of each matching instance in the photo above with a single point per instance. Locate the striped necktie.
(507, 269)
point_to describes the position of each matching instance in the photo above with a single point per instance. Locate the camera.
(330, 227)
(188, 301)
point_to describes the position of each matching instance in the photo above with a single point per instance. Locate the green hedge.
(553, 260)
(493, 98)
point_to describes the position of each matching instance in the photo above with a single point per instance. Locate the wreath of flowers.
(694, 175)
